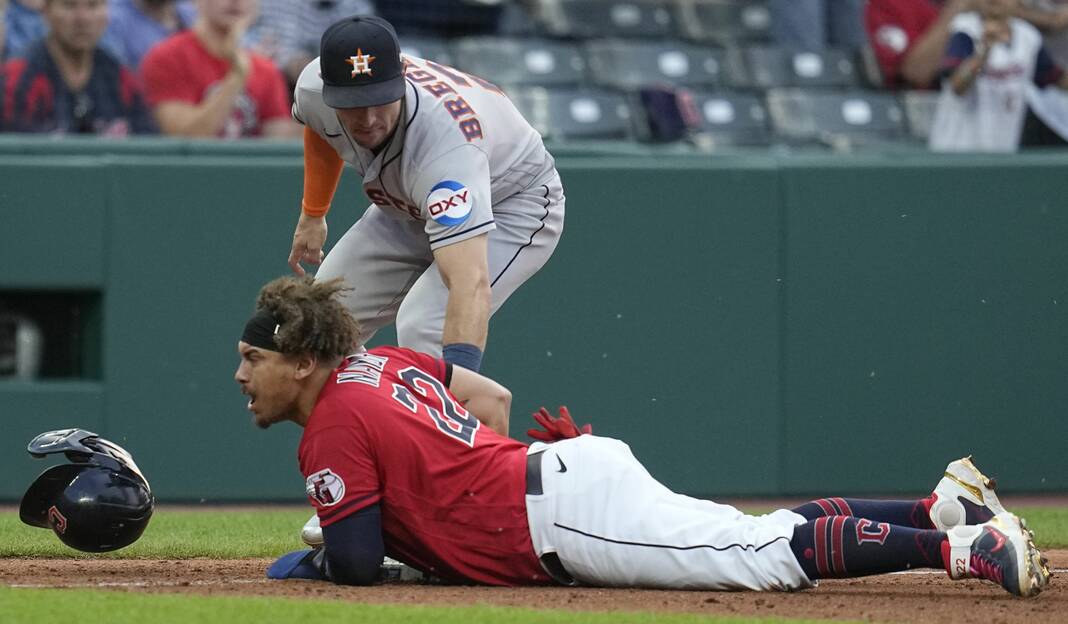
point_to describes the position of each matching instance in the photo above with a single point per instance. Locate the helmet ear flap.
(44, 491)
(102, 502)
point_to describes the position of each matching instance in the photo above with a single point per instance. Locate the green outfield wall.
(752, 324)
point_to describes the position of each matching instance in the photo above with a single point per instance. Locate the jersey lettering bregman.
(458, 107)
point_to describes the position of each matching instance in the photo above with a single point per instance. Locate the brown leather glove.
(557, 429)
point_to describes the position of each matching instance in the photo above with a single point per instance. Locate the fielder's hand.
(308, 241)
(557, 429)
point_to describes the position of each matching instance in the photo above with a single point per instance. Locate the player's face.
(267, 377)
(371, 126)
(76, 25)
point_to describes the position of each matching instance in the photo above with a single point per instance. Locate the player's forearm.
(485, 399)
(467, 312)
(322, 172)
(492, 410)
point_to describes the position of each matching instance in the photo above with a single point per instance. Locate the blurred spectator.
(137, 25)
(25, 25)
(1047, 123)
(443, 18)
(989, 66)
(202, 83)
(288, 31)
(3, 29)
(910, 37)
(818, 24)
(1051, 17)
(66, 83)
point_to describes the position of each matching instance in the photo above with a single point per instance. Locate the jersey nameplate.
(465, 116)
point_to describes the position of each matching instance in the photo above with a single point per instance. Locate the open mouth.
(251, 397)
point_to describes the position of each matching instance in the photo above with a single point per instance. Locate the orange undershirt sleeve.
(322, 171)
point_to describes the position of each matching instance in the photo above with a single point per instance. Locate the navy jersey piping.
(529, 242)
(669, 546)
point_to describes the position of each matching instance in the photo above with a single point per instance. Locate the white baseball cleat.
(964, 496)
(312, 534)
(1003, 551)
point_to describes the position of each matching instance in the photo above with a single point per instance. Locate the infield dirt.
(922, 596)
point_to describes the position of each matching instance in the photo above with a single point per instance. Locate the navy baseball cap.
(359, 60)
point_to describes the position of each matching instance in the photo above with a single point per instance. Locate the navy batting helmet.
(97, 503)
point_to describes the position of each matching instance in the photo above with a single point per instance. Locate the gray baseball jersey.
(462, 162)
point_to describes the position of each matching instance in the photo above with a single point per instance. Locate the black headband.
(260, 331)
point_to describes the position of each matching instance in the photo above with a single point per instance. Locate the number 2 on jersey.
(451, 419)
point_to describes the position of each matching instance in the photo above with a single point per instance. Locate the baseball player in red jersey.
(399, 459)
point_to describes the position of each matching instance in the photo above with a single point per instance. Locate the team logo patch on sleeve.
(325, 487)
(450, 203)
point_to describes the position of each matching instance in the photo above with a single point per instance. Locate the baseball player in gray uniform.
(467, 202)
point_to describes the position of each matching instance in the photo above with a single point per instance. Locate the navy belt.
(550, 561)
(534, 474)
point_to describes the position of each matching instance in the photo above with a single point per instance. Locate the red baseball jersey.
(180, 69)
(894, 26)
(387, 430)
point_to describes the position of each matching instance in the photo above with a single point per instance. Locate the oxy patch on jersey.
(325, 487)
(449, 203)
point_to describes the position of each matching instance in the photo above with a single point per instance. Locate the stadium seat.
(608, 18)
(515, 62)
(920, 107)
(564, 114)
(627, 64)
(766, 67)
(733, 119)
(727, 22)
(840, 120)
(427, 48)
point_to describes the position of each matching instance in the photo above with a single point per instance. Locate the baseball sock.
(915, 513)
(844, 546)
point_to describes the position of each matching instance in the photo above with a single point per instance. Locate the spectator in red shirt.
(66, 83)
(201, 83)
(910, 37)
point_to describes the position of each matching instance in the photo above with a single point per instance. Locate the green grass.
(1050, 525)
(26, 606)
(180, 533)
(177, 534)
(184, 534)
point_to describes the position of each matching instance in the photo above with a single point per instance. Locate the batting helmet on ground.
(97, 503)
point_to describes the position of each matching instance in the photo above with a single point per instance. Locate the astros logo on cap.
(361, 63)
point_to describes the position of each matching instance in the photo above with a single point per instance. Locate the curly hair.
(313, 319)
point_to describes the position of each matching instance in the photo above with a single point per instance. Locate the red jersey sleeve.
(275, 103)
(166, 79)
(341, 475)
